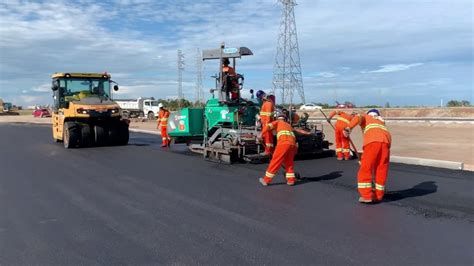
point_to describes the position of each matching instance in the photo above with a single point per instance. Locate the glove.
(347, 132)
(329, 120)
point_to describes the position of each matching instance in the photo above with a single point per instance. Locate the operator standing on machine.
(229, 74)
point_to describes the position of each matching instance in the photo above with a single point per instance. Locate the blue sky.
(406, 52)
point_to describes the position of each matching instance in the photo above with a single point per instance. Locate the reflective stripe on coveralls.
(343, 119)
(379, 187)
(266, 113)
(290, 175)
(372, 126)
(269, 175)
(285, 133)
(364, 185)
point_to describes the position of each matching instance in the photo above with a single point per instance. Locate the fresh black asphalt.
(141, 204)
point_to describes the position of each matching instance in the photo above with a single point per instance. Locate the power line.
(199, 94)
(287, 69)
(180, 65)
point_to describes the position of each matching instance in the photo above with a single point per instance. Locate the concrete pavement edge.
(427, 162)
(144, 131)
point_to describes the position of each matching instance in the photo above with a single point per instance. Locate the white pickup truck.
(140, 107)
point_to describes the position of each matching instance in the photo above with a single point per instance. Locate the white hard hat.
(160, 105)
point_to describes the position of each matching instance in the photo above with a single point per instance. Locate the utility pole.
(199, 94)
(180, 64)
(287, 69)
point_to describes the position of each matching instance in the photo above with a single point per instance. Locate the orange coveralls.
(295, 118)
(231, 72)
(163, 116)
(284, 152)
(376, 156)
(266, 117)
(342, 142)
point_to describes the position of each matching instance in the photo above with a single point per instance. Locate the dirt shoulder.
(450, 142)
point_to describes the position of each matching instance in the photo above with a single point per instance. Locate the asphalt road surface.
(141, 204)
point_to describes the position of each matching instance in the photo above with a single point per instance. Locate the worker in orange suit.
(295, 118)
(342, 142)
(376, 156)
(226, 68)
(266, 117)
(285, 151)
(229, 72)
(163, 116)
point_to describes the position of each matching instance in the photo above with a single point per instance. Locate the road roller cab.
(84, 113)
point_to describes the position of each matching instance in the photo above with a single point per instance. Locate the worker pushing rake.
(343, 141)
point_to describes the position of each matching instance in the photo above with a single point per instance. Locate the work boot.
(362, 200)
(262, 182)
(339, 158)
(291, 181)
(347, 158)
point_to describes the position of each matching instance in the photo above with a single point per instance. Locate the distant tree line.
(176, 104)
(456, 103)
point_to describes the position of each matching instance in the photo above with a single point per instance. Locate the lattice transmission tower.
(199, 94)
(180, 65)
(287, 76)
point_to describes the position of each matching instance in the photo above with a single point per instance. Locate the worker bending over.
(377, 141)
(285, 151)
(342, 142)
(266, 117)
(163, 116)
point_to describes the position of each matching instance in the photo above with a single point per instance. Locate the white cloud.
(327, 74)
(136, 41)
(31, 99)
(43, 88)
(393, 68)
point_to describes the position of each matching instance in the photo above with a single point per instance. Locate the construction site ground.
(141, 204)
(439, 141)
